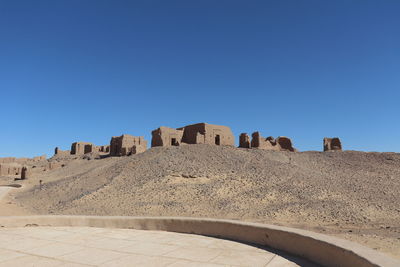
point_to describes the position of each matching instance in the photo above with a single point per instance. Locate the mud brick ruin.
(331, 144)
(104, 149)
(80, 148)
(126, 144)
(200, 133)
(22, 167)
(10, 169)
(281, 143)
(25, 173)
(59, 152)
(165, 136)
(244, 140)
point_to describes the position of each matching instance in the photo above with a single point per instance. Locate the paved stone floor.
(88, 246)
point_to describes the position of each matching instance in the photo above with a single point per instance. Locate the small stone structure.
(126, 144)
(281, 143)
(80, 148)
(204, 133)
(59, 152)
(10, 169)
(332, 144)
(244, 140)
(200, 133)
(165, 136)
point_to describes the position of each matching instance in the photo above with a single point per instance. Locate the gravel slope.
(351, 194)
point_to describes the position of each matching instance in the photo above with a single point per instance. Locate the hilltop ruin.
(332, 144)
(281, 143)
(81, 148)
(200, 133)
(126, 145)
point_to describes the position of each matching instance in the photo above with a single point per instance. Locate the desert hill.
(351, 194)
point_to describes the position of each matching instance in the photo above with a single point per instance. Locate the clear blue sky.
(87, 70)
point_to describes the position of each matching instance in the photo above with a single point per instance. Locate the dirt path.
(8, 206)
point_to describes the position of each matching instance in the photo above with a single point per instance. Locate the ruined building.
(126, 144)
(80, 148)
(10, 169)
(203, 133)
(331, 144)
(104, 149)
(200, 133)
(281, 143)
(58, 151)
(244, 140)
(165, 136)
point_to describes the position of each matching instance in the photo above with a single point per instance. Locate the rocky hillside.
(315, 189)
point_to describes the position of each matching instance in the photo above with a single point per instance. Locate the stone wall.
(10, 169)
(81, 148)
(281, 143)
(126, 144)
(60, 152)
(332, 144)
(204, 133)
(165, 136)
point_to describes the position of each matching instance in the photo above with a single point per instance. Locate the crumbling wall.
(204, 133)
(244, 140)
(332, 144)
(126, 144)
(10, 169)
(165, 136)
(281, 143)
(285, 144)
(103, 149)
(80, 148)
(260, 142)
(59, 152)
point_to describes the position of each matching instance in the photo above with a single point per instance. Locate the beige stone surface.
(59, 246)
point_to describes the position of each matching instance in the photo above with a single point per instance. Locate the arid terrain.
(353, 195)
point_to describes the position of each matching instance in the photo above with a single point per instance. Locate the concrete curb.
(319, 248)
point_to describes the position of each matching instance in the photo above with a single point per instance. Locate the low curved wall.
(319, 248)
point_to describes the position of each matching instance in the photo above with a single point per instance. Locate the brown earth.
(353, 195)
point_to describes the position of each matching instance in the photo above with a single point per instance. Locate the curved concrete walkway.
(90, 246)
(318, 248)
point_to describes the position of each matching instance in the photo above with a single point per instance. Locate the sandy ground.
(8, 206)
(352, 195)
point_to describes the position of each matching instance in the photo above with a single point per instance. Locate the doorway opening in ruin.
(87, 149)
(335, 144)
(217, 140)
(173, 142)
